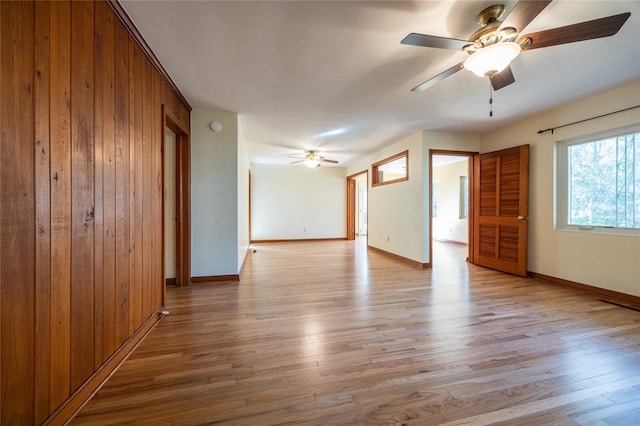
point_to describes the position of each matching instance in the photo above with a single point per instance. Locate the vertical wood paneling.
(134, 109)
(98, 180)
(156, 198)
(109, 183)
(158, 140)
(17, 215)
(147, 190)
(135, 177)
(138, 167)
(81, 114)
(122, 42)
(60, 128)
(82, 209)
(155, 116)
(43, 212)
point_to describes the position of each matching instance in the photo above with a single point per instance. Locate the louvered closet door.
(500, 209)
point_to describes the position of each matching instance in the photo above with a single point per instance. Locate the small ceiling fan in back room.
(498, 42)
(313, 159)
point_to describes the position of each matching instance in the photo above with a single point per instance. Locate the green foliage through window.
(603, 182)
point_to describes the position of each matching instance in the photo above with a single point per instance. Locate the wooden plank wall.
(81, 201)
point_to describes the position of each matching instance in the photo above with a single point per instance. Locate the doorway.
(176, 201)
(357, 204)
(498, 204)
(450, 180)
(170, 186)
(361, 207)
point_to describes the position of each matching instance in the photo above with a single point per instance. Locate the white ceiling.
(332, 75)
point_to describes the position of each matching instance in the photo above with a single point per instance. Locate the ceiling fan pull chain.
(490, 98)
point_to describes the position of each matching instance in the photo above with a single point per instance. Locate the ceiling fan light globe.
(311, 163)
(492, 59)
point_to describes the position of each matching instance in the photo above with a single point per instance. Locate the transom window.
(391, 170)
(598, 183)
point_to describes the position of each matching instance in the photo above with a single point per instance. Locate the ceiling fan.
(313, 159)
(492, 48)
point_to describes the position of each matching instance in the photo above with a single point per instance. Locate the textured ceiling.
(332, 75)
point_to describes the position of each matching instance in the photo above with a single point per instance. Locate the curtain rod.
(551, 129)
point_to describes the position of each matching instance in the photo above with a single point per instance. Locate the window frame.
(561, 184)
(375, 166)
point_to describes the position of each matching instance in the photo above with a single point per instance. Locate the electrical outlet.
(388, 238)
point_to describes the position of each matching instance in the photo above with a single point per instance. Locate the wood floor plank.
(328, 333)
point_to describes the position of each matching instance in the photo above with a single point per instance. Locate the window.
(464, 197)
(598, 183)
(391, 170)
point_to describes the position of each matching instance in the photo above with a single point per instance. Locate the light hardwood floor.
(328, 333)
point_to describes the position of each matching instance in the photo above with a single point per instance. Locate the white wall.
(396, 222)
(605, 261)
(448, 225)
(295, 202)
(214, 194)
(243, 198)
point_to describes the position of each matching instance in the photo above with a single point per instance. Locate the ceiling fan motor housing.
(491, 14)
(490, 33)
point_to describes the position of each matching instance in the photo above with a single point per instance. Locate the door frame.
(183, 198)
(469, 155)
(351, 203)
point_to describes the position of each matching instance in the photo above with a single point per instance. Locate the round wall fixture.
(216, 126)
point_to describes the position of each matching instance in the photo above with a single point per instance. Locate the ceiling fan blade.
(415, 39)
(432, 81)
(296, 162)
(324, 160)
(588, 30)
(523, 13)
(502, 79)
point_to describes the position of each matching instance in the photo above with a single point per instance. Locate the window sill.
(600, 230)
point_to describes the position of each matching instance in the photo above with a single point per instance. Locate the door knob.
(523, 218)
